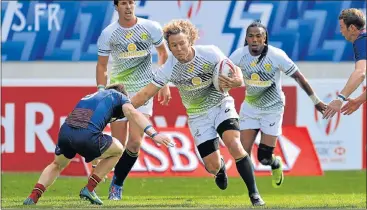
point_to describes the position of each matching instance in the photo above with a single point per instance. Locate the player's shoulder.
(276, 52)
(239, 52)
(207, 50)
(149, 24)
(110, 28)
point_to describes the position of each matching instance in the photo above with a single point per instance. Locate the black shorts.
(81, 141)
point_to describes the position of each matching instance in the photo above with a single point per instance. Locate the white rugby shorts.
(269, 122)
(203, 127)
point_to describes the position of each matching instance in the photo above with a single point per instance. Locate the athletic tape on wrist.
(315, 99)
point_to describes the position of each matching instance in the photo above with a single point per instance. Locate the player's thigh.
(115, 149)
(202, 129)
(229, 131)
(119, 130)
(248, 137)
(61, 161)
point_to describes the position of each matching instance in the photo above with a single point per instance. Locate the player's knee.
(213, 167)
(58, 165)
(265, 154)
(134, 145)
(236, 149)
(118, 149)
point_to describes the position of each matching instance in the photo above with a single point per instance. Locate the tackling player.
(353, 27)
(263, 107)
(82, 134)
(190, 67)
(129, 42)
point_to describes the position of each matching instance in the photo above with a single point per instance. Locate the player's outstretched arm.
(144, 95)
(139, 119)
(101, 72)
(355, 79)
(303, 83)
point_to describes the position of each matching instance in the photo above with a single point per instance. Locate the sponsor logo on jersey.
(255, 81)
(132, 52)
(196, 81)
(129, 35)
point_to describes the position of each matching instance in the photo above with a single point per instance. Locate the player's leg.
(130, 155)
(249, 127)
(248, 137)
(214, 164)
(271, 128)
(109, 151)
(63, 155)
(227, 126)
(205, 136)
(230, 134)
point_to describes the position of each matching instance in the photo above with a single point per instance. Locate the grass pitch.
(337, 189)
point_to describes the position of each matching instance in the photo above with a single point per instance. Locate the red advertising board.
(31, 117)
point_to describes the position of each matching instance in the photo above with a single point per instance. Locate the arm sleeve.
(104, 44)
(235, 57)
(286, 64)
(156, 34)
(359, 48)
(163, 74)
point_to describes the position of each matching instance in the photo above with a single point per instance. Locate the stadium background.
(49, 54)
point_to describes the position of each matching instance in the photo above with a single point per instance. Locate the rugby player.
(129, 42)
(190, 68)
(82, 134)
(353, 27)
(263, 107)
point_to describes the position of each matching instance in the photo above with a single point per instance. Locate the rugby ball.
(226, 68)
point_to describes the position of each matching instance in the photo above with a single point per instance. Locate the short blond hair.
(181, 26)
(353, 16)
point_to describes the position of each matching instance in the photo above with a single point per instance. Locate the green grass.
(333, 190)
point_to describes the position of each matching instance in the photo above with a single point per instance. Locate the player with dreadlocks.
(263, 107)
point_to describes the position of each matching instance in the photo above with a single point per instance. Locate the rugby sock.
(275, 164)
(92, 182)
(124, 166)
(246, 170)
(37, 192)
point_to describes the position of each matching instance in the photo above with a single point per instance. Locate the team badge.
(206, 67)
(144, 36)
(267, 67)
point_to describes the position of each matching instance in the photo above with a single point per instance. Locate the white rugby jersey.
(262, 80)
(130, 49)
(194, 79)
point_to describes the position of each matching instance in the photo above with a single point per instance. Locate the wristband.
(342, 97)
(315, 99)
(146, 128)
(100, 87)
(153, 135)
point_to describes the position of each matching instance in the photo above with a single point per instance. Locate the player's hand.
(163, 139)
(321, 107)
(352, 105)
(228, 82)
(164, 95)
(332, 108)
